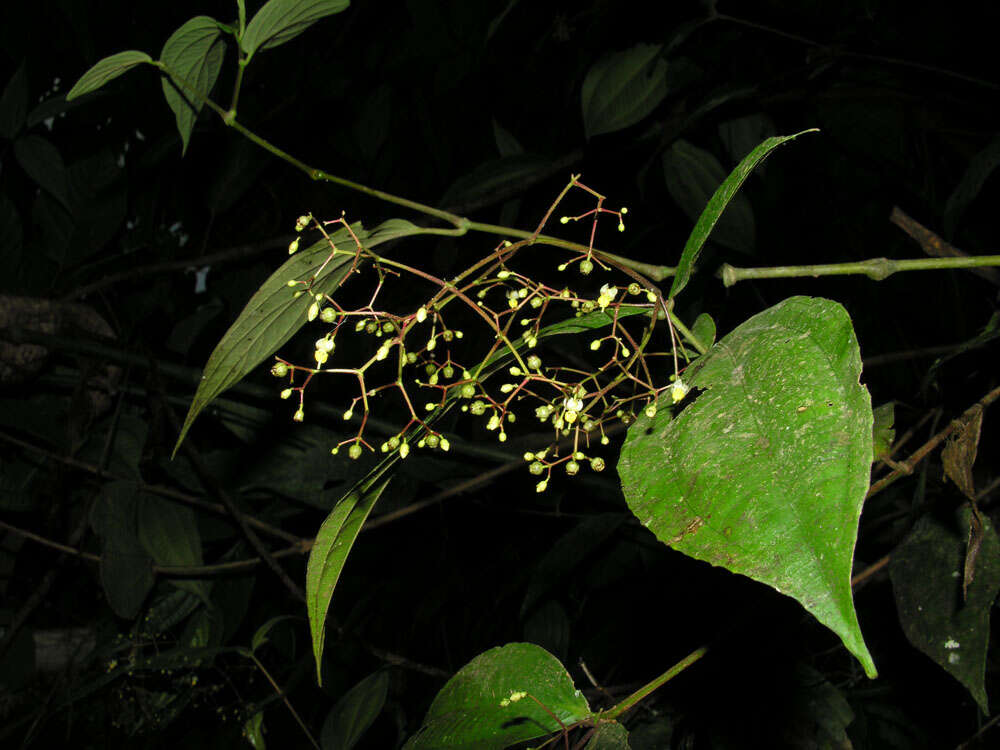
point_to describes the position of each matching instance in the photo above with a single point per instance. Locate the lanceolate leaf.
(622, 88)
(355, 712)
(764, 472)
(192, 57)
(271, 317)
(106, 70)
(485, 706)
(717, 205)
(330, 550)
(281, 20)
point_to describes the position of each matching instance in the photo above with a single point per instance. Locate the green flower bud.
(586, 266)
(354, 451)
(279, 369)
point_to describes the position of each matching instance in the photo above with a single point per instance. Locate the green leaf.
(507, 144)
(168, 610)
(741, 135)
(330, 550)
(14, 104)
(253, 730)
(43, 164)
(391, 229)
(611, 736)
(548, 627)
(496, 176)
(704, 330)
(882, 429)
(980, 168)
(623, 88)
(192, 58)
(566, 554)
(271, 317)
(350, 718)
(720, 199)
(260, 636)
(282, 20)
(927, 572)
(474, 710)
(765, 470)
(126, 569)
(168, 531)
(692, 175)
(106, 70)
(498, 19)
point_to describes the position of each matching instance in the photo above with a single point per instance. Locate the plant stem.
(649, 687)
(460, 223)
(876, 269)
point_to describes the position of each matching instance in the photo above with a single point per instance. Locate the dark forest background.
(118, 279)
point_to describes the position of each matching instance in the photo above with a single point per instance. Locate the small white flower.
(679, 390)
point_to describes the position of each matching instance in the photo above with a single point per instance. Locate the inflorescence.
(416, 354)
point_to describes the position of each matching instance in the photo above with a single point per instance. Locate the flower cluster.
(423, 360)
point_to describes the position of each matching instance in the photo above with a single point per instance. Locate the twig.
(172, 571)
(155, 489)
(209, 481)
(877, 269)
(39, 594)
(213, 259)
(933, 245)
(923, 451)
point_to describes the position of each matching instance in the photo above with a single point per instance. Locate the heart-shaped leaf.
(486, 705)
(764, 472)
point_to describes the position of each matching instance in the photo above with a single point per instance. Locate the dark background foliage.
(100, 275)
